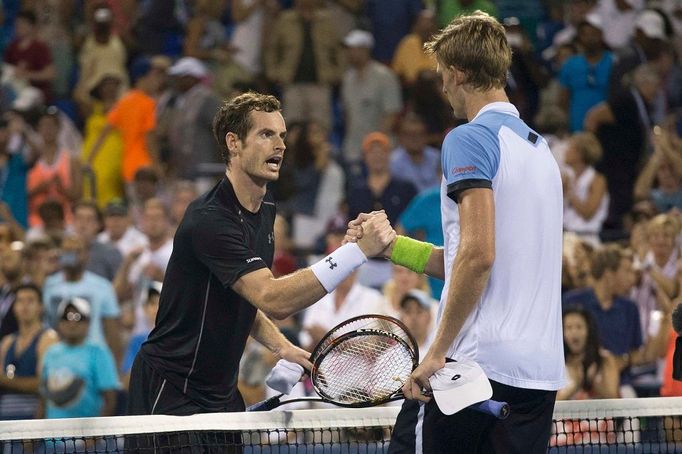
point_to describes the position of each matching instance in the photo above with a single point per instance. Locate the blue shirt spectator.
(87, 370)
(619, 327)
(587, 84)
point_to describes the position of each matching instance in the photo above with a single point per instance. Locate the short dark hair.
(28, 16)
(607, 258)
(235, 116)
(30, 286)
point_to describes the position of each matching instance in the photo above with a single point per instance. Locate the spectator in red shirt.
(30, 56)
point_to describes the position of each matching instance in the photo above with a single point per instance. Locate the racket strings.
(364, 369)
(364, 323)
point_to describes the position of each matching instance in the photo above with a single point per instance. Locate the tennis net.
(652, 425)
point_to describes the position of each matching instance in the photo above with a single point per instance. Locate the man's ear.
(459, 76)
(232, 142)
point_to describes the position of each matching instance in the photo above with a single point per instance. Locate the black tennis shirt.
(202, 324)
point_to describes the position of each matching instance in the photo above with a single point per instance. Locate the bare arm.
(265, 332)
(470, 273)
(286, 295)
(98, 143)
(597, 116)
(607, 387)
(112, 334)
(645, 180)
(109, 405)
(587, 208)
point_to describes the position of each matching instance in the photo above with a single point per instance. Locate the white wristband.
(338, 265)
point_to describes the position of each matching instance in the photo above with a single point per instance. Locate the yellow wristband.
(411, 254)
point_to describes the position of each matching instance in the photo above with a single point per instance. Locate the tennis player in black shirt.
(218, 288)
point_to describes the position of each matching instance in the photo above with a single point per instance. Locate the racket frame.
(319, 356)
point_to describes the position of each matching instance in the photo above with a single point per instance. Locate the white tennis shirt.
(515, 331)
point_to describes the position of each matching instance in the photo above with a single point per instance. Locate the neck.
(475, 101)
(249, 192)
(157, 242)
(29, 328)
(575, 358)
(74, 275)
(661, 258)
(604, 294)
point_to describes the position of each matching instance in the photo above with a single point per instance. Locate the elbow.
(480, 260)
(272, 305)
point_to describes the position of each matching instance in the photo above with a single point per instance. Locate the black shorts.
(424, 429)
(151, 394)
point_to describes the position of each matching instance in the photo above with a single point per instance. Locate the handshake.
(373, 234)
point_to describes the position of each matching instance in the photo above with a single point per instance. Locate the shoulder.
(581, 295)
(52, 281)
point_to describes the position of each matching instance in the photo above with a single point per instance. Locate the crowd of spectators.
(106, 111)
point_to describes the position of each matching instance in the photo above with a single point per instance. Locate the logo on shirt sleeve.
(253, 259)
(464, 170)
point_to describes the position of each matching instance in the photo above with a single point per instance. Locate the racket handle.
(500, 410)
(266, 405)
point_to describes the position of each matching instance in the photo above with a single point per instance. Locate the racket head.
(363, 368)
(379, 322)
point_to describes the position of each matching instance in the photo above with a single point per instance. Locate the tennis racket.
(363, 362)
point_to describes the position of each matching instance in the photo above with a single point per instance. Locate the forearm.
(112, 334)
(24, 385)
(470, 274)
(435, 267)
(669, 286)
(265, 332)
(109, 405)
(645, 180)
(292, 293)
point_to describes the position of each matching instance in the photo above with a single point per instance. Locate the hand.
(134, 254)
(419, 379)
(354, 232)
(292, 353)
(377, 235)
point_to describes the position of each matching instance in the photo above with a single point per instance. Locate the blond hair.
(476, 45)
(588, 146)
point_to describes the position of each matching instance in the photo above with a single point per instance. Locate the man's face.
(85, 222)
(116, 225)
(74, 254)
(413, 136)
(261, 153)
(73, 327)
(154, 222)
(27, 306)
(590, 37)
(624, 277)
(416, 317)
(11, 264)
(452, 90)
(377, 157)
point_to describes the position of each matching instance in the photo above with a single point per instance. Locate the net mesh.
(602, 426)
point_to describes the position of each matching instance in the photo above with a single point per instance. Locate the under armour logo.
(331, 262)
(456, 377)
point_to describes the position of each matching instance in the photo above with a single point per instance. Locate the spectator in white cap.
(185, 120)
(645, 46)
(619, 18)
(418, 312)
(370, 93)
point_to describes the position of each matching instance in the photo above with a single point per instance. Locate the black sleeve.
(221, 244)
